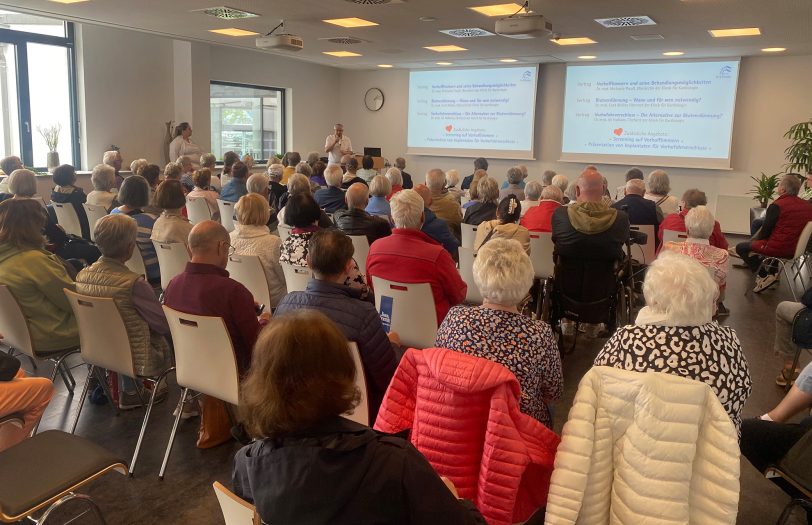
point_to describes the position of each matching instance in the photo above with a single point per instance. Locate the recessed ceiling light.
(444, 63)
(342, 54)
(350, 22)
(428, 19)
(225, 13)
(499, 9)
(774, 49)
(577, 41)
(741, 31)
(673, 53)
(587, 57)
(68, 1)
(385, 65)
(233, 31)
(445, 49)
(508, 60)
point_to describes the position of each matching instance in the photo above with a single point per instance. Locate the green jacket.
(37, 279)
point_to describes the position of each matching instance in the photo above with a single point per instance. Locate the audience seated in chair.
(65, 191)
(658, 188)
(330, 258)
(113, 159)
(676, 329)
(298, 183)
(514, 185)
(411, 256)
(532, 196)
(202, 190)
(539, 218)
(452, 181)
(435, 227)
(379, 189)
(290, 161)
(400, 164)
(277, 189)
(36, 277)
(504, 226)
(473, 190)
(235, 187)
(443, 204)
(252, 237)
(485, 208)
(259, 183)
(631, 174)
(395, 178)
(205, 288)
(11, 164)
(134, 196)
(229, 159)
(785, 321)
(331, 198)
(27, 397)
(366, 172)
(208, 161)
(497, 331)
(171, 226)
(140, 310)
(310, 464)
(103, 178)
(676, 221)
(641, 211)
(152, 174)
(479, 164)
(351, 175)
(187, 168)
(318, 173)
(354, 220)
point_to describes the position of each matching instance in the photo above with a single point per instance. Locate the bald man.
(356, 221)
(589, 230)
(443, 203)
(204, 288)
(435, 227)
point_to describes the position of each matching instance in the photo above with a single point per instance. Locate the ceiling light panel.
(508, 60)
(467, 32)
(226, 13)
(498, 9)
(342, 54)
(444, 63)
(626, 21)
(445, 49)
(774, 49)
(576, 41)
(648, 37)
(68, 1)
(741, 31)
(233, 31)
(673, 53)
(350, 22)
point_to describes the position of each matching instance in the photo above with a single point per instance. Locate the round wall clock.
(373, 99)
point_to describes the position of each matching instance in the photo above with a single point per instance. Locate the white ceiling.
(400, 37)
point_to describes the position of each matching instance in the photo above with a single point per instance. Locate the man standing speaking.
(337, 145)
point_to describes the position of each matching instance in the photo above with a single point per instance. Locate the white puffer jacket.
(645, 448)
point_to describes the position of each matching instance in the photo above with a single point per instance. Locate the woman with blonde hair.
(473, 191)
(485, 209)
(202, 190)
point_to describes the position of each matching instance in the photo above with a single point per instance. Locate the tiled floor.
(186, 496)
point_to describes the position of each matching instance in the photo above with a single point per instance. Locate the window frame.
(20, 41)
(283, 100)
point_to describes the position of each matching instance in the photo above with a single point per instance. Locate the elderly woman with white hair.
(561, 182)
(137, 165)
(485, 208)
(278, 189)
(395, 178)
(674, 334)
(498, 332)
(658, 187)
(379, 190)
(699, 222)
(103, 179)
(515, 184)
(532, 195)
(452, 180)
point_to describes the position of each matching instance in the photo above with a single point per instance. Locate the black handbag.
(802, 328)
(9, 366)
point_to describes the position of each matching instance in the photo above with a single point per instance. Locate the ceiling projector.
(281, 42)
(524, 26)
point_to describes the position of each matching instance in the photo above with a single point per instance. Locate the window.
(37, 88)
(247, 120)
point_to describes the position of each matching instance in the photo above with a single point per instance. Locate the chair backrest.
(803, 240)
(136, 262)
(248, 271)
(361, 412)
(172, 259)
(674, 236)
(198, 210)
(204, 355)
(236, 511)
(541, 254)
(296, 277)
(408, 309)
(226, 214)
(13, 324)
(102, 334)
(94, 213)
(467, 273)
(361, 245)
(468, 235)
(644, 253)
(284, 231)
(67, 218)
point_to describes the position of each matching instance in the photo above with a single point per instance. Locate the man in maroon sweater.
(204, 288)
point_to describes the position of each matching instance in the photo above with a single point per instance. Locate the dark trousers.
(753, 259)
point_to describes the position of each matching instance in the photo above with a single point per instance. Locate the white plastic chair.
(674, 236)
(413, 315)
(467, 273)
(284, 231)
(136, 263)
(236, 511)
(67, 218)
(361, 245)
(226, 214)
(248, 271)
(361, 412)
(296, 277)
(106, 345)
(204, 362)
(468, 235)
(94, 213)
(541, 254)
(172, 259)
(644, 253)
(796, 262)
(198, 210)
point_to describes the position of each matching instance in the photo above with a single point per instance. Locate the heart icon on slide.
(618, 131)
(449, 128)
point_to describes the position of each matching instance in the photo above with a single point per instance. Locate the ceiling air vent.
(375, 2)
(344, 40)
(648, 37)
(226, 13)
(467, 32)
(626, 21)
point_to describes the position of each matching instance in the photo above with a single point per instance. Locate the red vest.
(795, 213)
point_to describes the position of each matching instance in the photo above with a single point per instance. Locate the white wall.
(773, 94)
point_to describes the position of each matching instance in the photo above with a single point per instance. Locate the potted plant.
(764, 188)
(799, 153)
(50, 134)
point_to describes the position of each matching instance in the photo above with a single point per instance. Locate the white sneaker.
(762, 283)
(189, 410)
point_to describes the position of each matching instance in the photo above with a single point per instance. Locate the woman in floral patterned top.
(699, 222)
(302, 214)
(498, 332)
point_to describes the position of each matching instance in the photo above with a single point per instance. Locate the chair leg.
(106, 389)
(156, 384)
(172, 434)
(790, 282)
(82, 398)
(68, 497)
(787, 513)
(67, 376)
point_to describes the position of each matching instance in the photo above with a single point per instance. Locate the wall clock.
(373, 99)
